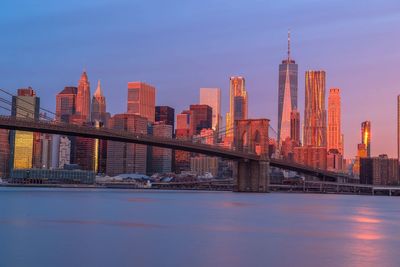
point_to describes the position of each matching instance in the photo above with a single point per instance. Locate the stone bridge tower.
(251, 136)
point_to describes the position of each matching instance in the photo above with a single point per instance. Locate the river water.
(95, 227)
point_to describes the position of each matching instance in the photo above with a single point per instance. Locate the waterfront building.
(127, 157)
(23, 146)
(64, 153)
(182, 158)
(166, 114)
(379, 170)
(161, 157)
(366, 136)
(314, 111)
(238, 105)
(55, 176)
(203, 165)
(287, 94)
(83, 97)
(334, 133)
(142, 100)
(200, 118)
(212, 98)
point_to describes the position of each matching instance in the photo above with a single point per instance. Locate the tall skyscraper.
(161, 157)
(287, 94)
(334, 133)
(200, 118)
(212, 98)
(314, 112)
(25, 105)
(398, 127)
(237, 104)
(142, 100)
(66, 103)
(127, 157)
(366, 136)
(83, 97)
(99, 108)
(165, 114)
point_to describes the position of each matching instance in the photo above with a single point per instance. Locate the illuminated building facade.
(314, 112)
(142, 100)
(238, 105)
(66, 103)
(334, 134)
(83, 97)
(398, 127)
(23, 146)
(127, 157)
(311, 156)
(287, 94)
(200, 118)
(366, 136)
(212, 98)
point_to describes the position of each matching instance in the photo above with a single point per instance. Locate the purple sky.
(182, 45)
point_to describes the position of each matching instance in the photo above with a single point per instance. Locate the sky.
(181, 45)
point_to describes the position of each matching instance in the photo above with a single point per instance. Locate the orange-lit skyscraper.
(142, 100)
(314, 112)
(334, 133)
(83, 97)
(237, 104)
(212, 98)
(287, 94)
(366, 136)
(295, 127)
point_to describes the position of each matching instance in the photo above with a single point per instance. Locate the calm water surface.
(83, 227)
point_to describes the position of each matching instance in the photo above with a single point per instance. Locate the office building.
(23, 144)
(166, 114)
(83, 97)
(66, 103)
(366, 136)
(295, 127)
(99, 108)
(379, 170)
(200, 118)
(4, 153)
(161, 157)
(238, 105)
(142, 100)
(334, 134)
(314, 112)
(212, 98)
(314, 157)
(127, 157)
(287, 94)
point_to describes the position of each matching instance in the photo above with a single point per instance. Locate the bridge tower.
(251, 136)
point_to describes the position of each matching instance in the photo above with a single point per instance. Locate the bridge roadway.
(53, 127)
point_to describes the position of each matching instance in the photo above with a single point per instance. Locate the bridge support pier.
(251, 176)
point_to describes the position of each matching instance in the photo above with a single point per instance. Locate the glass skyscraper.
(287, 94)
(314, 111)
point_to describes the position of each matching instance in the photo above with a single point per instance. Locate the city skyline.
(315, 46)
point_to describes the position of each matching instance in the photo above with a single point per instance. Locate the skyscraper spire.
(288, 46)
(98, 92)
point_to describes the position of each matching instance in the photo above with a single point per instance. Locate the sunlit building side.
(366, 136)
